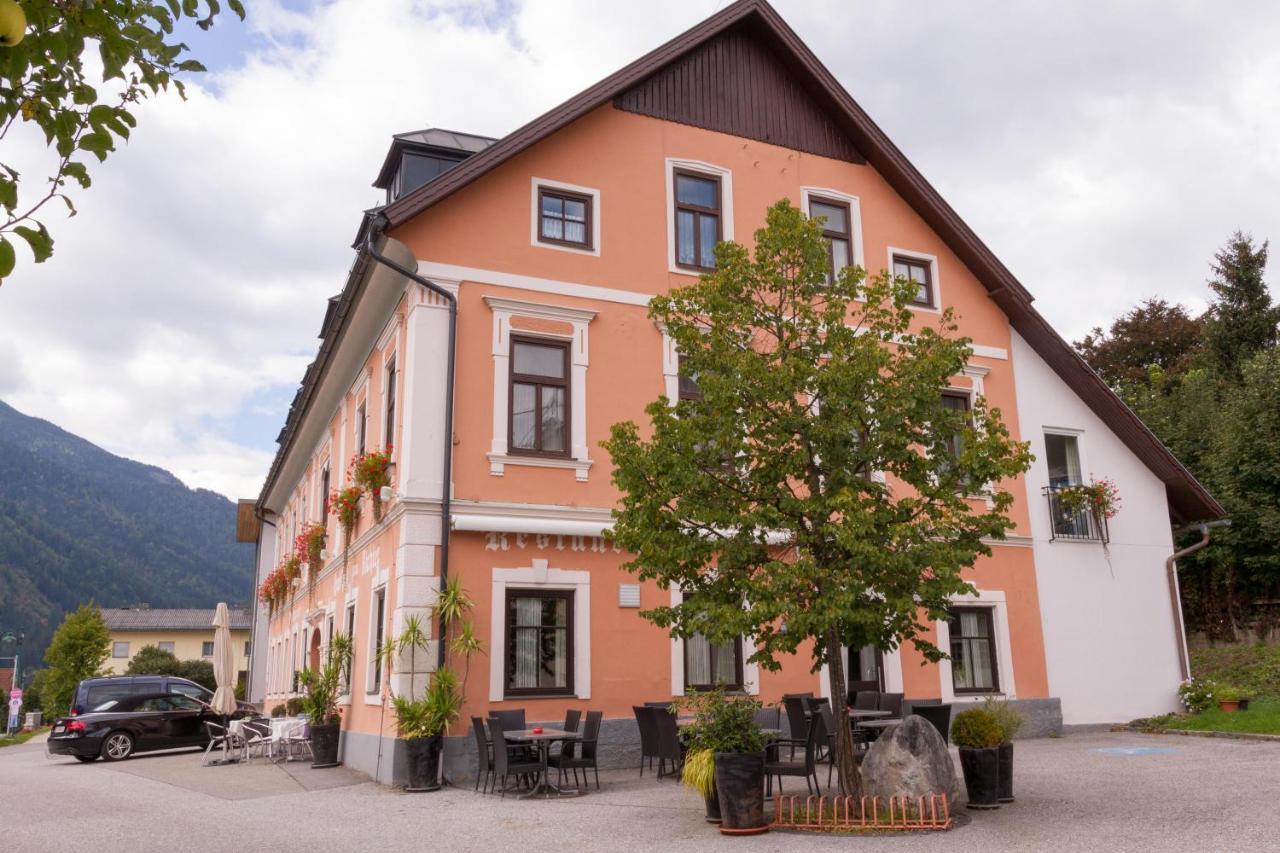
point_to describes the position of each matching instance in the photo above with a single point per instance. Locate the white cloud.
(1103, 150)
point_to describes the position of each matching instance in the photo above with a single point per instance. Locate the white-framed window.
(206, 649)
(508, 321)
(119, 649)
(166, 646)
(349, 628)
(981, 662)
(564, 217)
(362, 427)
(921, 268)
(843, 227)
(697, 660)
(699, 213)
(377, 628)
(389, 404)
(562, 601)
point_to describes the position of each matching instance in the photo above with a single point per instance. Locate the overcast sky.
(1103, 150)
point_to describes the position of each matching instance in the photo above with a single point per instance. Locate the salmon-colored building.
(549, 243)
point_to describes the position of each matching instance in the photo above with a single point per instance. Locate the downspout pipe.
(1171, 568)
(376, 228)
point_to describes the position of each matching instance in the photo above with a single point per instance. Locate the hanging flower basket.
(1100, 499)
(372, 471)
(309, 546)
(345, 506)
(274, 591)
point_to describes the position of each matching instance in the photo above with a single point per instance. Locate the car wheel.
(86, 758)
(117, 746)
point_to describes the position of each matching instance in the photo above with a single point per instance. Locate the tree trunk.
(846, 764)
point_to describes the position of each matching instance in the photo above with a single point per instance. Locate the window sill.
(521, 697)
(499, 461)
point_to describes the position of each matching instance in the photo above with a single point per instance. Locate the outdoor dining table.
(878, 724)
(866, 714)
(541, 740)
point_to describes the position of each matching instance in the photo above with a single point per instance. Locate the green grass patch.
(21, 737)
(1262, 718)
(1255, 668)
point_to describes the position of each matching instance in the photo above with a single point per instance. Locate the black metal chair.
(891, 702)
(510, 759)
(670, 747)
(585, 759)
(806, 768)
(797, 710)
(939, 715)
(867, 700)
(829, 726)
(861, 686)
(768, 718)
(512, 720)
(484, 754)
(571, 720)
(648, 734)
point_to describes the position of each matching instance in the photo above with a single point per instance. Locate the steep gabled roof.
(1188, 499)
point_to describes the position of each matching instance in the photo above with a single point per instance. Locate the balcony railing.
(1071, 524)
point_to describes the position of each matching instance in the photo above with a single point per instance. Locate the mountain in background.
(78, 523)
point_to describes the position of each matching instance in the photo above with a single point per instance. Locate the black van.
(93, 692)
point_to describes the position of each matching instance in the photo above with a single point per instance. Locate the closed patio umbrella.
(224, 666)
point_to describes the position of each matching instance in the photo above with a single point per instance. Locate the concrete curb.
(1191, 733)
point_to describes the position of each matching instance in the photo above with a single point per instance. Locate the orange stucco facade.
(481, 238)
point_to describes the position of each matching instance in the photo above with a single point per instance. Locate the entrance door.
(866, 665)
(314, 656)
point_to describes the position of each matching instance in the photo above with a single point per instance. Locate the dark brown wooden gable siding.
(736, 85)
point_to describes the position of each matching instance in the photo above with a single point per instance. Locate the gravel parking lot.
(1091, 792)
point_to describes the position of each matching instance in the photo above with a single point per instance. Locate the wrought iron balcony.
(1075, 525)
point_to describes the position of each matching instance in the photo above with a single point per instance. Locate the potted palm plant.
(423, 721)
(320, 701)
(1010, 721)
(978, 736)
(725, 760)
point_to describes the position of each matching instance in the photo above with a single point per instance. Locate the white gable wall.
(1109, 636)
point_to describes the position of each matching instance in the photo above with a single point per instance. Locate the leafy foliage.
(976, 729)
(1008, 718)
(77, 522)
(45, 86)
(721, 723)
(1241, 321)
(1154, 334)
(763, 500)
(699, 771)
(1254, 667)
(322, 687)
(78, 650)
(152, 660)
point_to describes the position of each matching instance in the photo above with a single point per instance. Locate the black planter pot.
(713, 806)
(324, 745)
(424, 763)
(981, 769)
(740, 785)
(1005, 788)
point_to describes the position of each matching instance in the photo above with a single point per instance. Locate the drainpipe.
(370, 248)
(1175, 593)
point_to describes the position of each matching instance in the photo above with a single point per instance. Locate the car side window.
(101, 693)
(184, 703)
(191, 690)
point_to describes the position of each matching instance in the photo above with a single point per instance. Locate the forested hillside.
(79, 523)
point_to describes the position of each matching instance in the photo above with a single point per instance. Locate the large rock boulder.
(911, 760)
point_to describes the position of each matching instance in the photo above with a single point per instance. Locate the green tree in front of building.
(78, 650)
(153, 660)
(816, 491)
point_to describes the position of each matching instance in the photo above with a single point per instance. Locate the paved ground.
(1192, 794)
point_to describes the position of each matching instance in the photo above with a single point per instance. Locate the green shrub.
(278, 711)
(1253, 667)
(976, 729)
(1198, 694)
(722, 723)
(293, 706)
(1008, 718)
